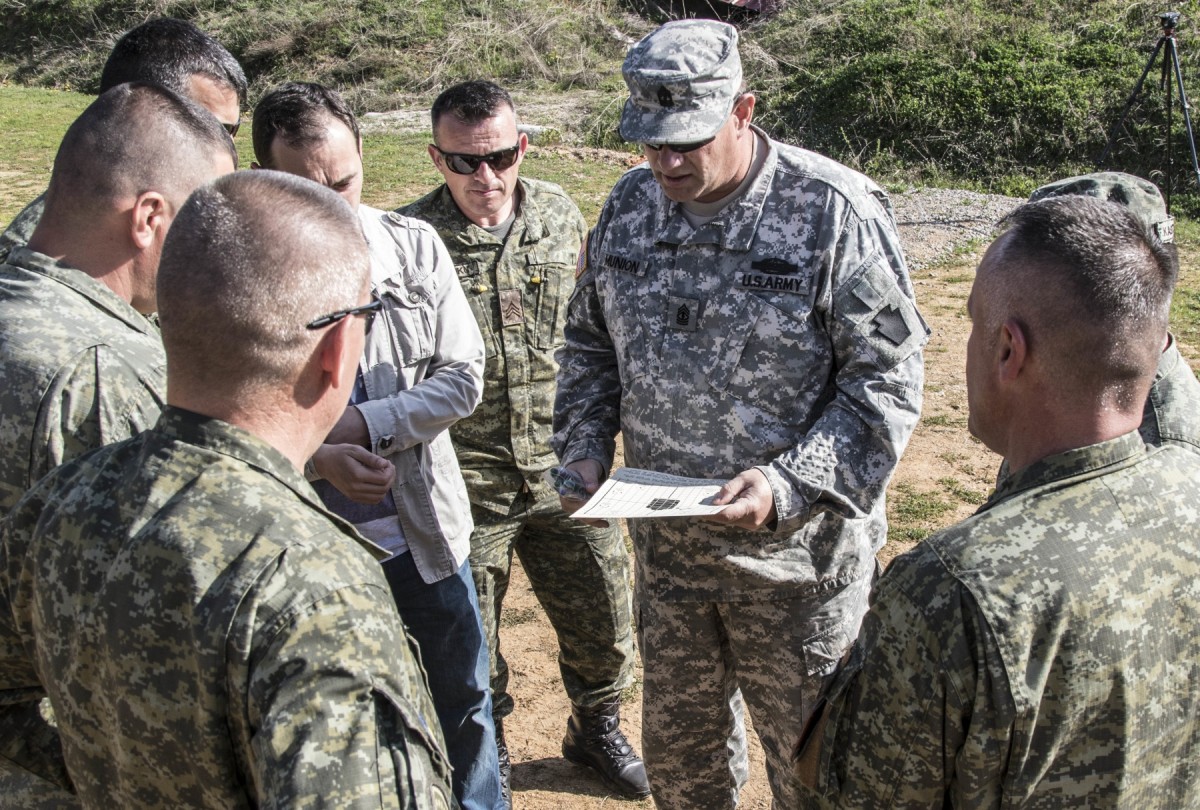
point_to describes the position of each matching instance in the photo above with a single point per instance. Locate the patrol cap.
(1141, 197)
(683, 80)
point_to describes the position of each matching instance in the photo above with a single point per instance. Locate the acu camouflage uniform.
(781, 335)
(20, 229)
(1041, 654)
(210, 637)
(518, 291)
(1172, 412)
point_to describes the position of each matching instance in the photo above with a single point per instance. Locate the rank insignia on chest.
(512, 312)
(683, 314)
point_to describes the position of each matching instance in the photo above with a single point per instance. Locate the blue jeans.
(443, 617)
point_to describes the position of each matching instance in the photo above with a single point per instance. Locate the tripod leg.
(1137, 91)
(1186, 107)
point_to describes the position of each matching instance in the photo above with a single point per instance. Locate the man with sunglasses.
(210, 637)
(743, 312)
(515, 242)
(388, 465)
(176, 55)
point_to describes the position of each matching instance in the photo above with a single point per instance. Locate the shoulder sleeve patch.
(581, 261)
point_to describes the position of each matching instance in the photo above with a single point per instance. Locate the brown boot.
(505, 765)
(594, 739)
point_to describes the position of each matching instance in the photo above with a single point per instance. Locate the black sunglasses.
(468, 164)
(679, 148)
(368, 309)
(233, 128)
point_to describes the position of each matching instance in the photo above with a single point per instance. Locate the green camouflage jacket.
(518, 291)
(79, 368)
(209, 636)
(1041, 654)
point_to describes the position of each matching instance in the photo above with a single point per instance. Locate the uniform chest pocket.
(481, 298)
(772, 358)
(409, 318)
(553, 282)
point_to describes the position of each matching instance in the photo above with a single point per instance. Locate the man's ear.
(254, 165)
(743, 110)
(339, 354)
(434, 156)
(150, 213)
(1013, 350)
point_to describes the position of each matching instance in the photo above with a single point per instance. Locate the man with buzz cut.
(82, 365)
(388, 466)
(174, 54)
(209, 635)
(514, 242)
(1043, 653)
(743, 313)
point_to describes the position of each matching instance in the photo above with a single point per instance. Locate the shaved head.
(1091, 285)
(250, 260)
(134, 138)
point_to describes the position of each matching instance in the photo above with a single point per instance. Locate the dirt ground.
(943, 233)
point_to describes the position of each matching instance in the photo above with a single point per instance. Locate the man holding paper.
(742, 312)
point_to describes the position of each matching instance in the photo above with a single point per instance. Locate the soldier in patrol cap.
(515, 242)
(388, 465)
(174, 54)
(82, 365)
(1172, 412)
(209, 635)
(1041, 653)
(743, 312)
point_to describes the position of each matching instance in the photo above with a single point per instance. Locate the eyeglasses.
(368, 309)
(679, 148)
(468, 164)
(233, 128)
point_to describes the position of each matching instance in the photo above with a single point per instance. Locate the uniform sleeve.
(847, 457)
(454, 385)
(914, 715)
(341, 712)
(97, 400)
(587, 404)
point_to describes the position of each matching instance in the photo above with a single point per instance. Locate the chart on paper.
(633, 493)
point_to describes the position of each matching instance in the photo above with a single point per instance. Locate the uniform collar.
(735, 227)
(528, 224)
(83, 284)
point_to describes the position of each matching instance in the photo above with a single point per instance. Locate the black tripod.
(1170, 63)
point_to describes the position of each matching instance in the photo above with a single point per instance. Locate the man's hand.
(751, 502)
(351, 428)
(591, 471)
(359, 474)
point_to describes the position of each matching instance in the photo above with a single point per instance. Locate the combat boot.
(594, 739)
(505, 764)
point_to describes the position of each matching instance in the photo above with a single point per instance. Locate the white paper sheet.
(634, 493)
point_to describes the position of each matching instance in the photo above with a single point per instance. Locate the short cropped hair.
(297, 112)
(169, 52)
(1094, 284)
(134, 138)
(470, 102)
(250, 259)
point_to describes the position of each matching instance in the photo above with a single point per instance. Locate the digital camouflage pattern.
(1172, 412)
(1041, 654)
(786, 651)
(518, 291)
(211, 637)
(781, 335)
(683, 80)
(20, 229)
(79, 368)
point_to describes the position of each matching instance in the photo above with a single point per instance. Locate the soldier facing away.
(208, 634)
(1043, 652)
(743, 313)
(515, 242)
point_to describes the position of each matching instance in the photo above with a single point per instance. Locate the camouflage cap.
(683, 80)
(1140, 196)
